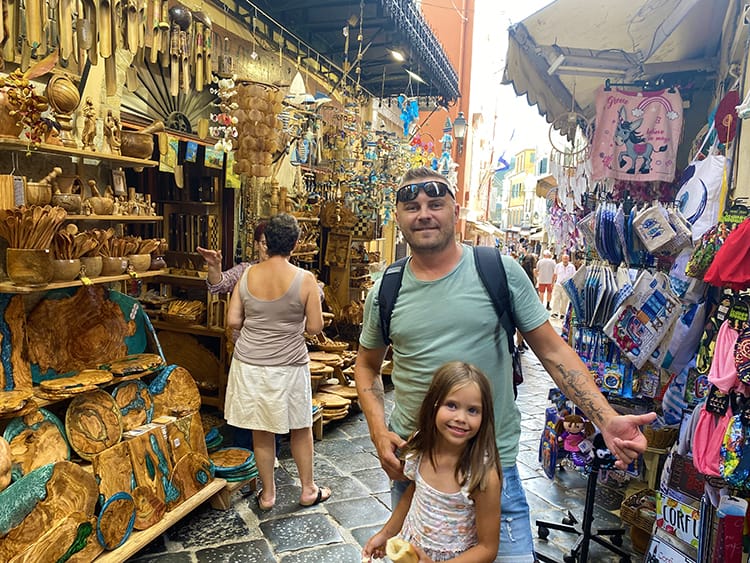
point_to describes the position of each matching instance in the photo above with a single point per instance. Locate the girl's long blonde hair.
(480, 456)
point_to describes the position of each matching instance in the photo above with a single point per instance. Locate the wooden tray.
(85, 380)
(13, 401)
(341, 390)
(93, 423)
(230, 459)
(331, 401)
(189, 475)
(116, 520)
(36, 439)
(134, 363)
(325, 357)
(175, 392)
(135, 403)
(333, 346)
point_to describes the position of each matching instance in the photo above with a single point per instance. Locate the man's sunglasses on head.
(432, 188)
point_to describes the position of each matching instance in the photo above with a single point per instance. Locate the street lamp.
(459, 131)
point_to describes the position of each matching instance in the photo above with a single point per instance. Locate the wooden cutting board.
(17, 376)
(36, 439)
(189, 475)
(134, 363)
(340, 390)
(116, 520)
(113, 470)
(51, 493)
(332, 401)
(186, 435)
(71, 539)
(77, 332)
(85, 380)
(149, 508)
(93, 423)
(135, 403)
(325, 357)
(175, 392)
(14, 401)
(152, 465)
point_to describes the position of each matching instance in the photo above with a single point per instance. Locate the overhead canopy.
(559, 56)
(386, 25)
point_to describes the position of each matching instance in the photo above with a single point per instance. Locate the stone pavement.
(334, 531)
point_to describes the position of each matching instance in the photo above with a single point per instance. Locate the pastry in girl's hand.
(400, 551)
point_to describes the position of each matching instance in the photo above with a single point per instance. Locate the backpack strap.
(390, 284)
(492, 273)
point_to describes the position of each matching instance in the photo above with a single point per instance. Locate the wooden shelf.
(118, 218)
(188, 328)
(140, 539)
(10, 287)
(115, 159)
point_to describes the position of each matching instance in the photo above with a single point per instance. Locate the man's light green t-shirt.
(451, 319)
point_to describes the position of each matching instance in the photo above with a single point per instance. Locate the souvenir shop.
(650, 176)
(125, 146)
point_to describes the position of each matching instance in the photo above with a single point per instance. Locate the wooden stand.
(317, 426)
(139, 540)
(223, 499)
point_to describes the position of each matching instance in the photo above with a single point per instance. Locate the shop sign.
(659, 551)
(678, 519)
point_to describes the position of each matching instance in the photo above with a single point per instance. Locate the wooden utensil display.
(93, 423)
(36, 439)
(113, 470)
(189, 475)
(98, 321)
(52, 493)
(135, 403)
(175, 392)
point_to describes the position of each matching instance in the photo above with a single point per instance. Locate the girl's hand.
(423, 558)
(375, 546)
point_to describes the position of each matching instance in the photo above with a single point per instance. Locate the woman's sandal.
(322, 497)
(261, 506)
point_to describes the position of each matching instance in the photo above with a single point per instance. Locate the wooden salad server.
(174, 60)
(184, 62)
(131, 26)
(198, 50)
(105, 29)
(164, 54)
(207, 46)
(11, 25)
(149, 24)
(34, 23)
(66, 29)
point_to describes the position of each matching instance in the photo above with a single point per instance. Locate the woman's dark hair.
(480, 455)
(260, 228)
(282, 233)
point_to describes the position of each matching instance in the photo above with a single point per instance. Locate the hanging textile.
(637, 135)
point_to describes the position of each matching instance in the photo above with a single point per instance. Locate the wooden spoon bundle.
(67, 245)
(31, 227)
(100, 237)
(142, 246)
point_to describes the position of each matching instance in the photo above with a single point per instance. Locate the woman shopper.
(268, 390)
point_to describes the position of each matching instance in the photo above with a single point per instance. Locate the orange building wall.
(455, 33)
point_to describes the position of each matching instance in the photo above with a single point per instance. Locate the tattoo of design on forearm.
(376, 389)
(575, 381)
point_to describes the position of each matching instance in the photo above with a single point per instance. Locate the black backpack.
(491, 272)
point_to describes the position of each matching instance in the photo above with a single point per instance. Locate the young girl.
(451, 510)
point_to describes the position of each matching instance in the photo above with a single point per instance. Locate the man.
(564, 270)
(443, 313)
(545, 272)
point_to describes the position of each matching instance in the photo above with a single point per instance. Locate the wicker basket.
(631, 513)
(661, 438)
